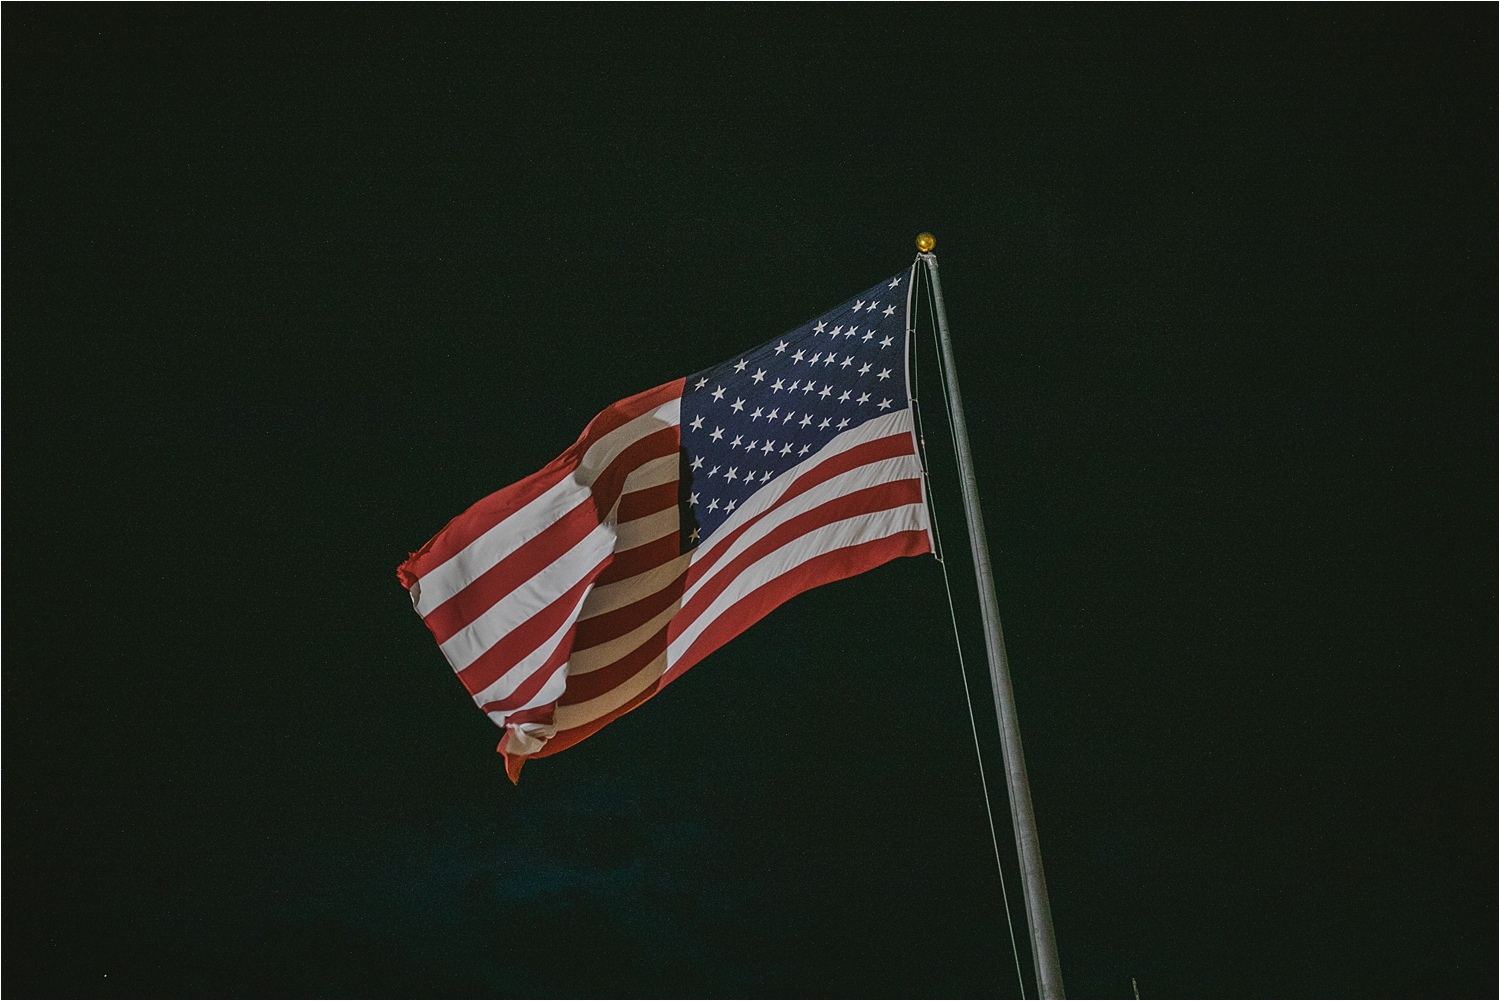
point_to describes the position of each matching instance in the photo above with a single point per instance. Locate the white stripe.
(653, 473)
(458, 571)
(838, 535)
(901, 467)
(585, 712)
(648, 529)
(895, 422)
(526, 666)
(465, 646)
(605, 654)
(609, 597)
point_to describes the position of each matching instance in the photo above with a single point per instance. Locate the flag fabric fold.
(680, 517)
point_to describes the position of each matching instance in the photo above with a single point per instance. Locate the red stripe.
(526, 637)
(871, 451)
(536, 554)
(582, 687)
(641, 558)
(528, 688)
(501, 504)
(822, 569)
(640, 503)
(616, 623)
(880, 497)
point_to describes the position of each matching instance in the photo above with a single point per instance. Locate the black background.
(287, 288)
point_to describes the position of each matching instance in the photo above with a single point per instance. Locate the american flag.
(681, 517)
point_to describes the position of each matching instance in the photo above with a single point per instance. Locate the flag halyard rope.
(953, 617)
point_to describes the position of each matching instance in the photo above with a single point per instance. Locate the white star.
(694, 536)
(871, 307)
(798, 356)
(807, 388)
(853, 332)
(697, 423)
(885, 374)
(894, 282)
(731, 474)
(777, 386)
(863, 399)
(698, 462)
(750, 476)
(888, 311)
(793, 387)
(864, 369)
(781, 347)
(830, 359)
(713, 505)
(729, 507)
(814, 359)
(844, 396)
(819, 328)
(826, 392)
(759, 376)
(859, 305)
(718, 433)
(825, 424)
(699, 384)
(886, 343)
(835, 331)
(805, 421)
(773, 415)
(718, 393)
(768, 447)
(786, 449)
(741, 366)
(713, 471)
(842, 424)
(756, 414)
(805, 450)
(867, 336)
(848, 360)
(739, 404)
(751, 447)
(692, 500)
(884, 405)
(766, 478)
(736, 442)
(789, 416)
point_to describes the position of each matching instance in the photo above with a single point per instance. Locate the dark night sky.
(287, 288)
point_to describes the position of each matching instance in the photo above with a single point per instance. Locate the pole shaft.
(1033, 879)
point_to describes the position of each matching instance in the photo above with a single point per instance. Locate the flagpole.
(1033, 879)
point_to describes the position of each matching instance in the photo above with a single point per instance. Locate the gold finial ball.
(925, 242)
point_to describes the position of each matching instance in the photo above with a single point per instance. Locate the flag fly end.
(521, 741)
(405, 574)
(513, 763)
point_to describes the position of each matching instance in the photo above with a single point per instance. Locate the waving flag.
(680, 518)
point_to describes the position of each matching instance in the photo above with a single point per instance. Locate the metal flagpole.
(1033, 879)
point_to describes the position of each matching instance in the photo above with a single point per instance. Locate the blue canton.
(749, 420)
